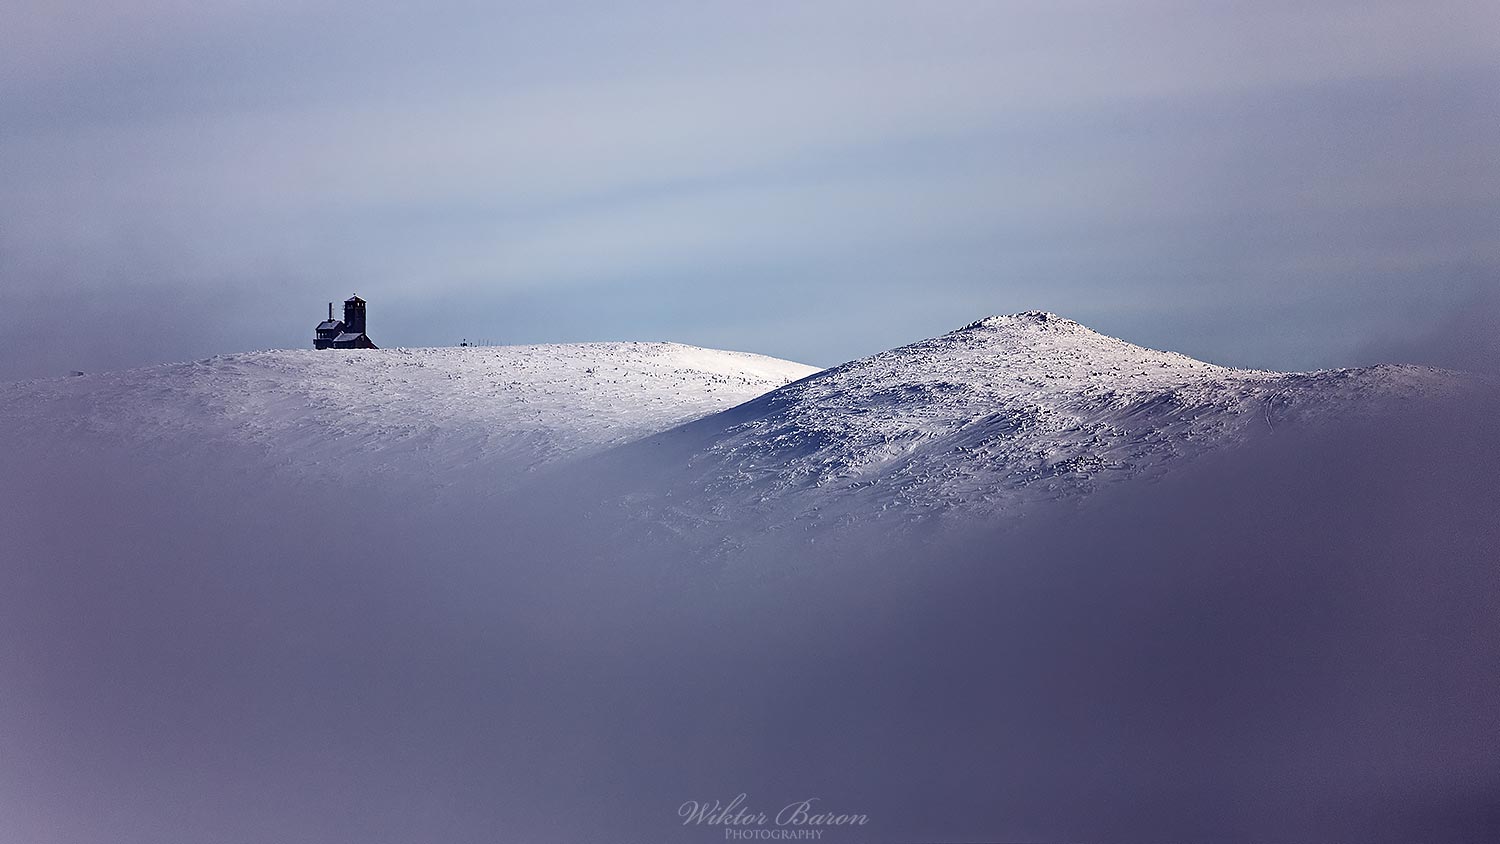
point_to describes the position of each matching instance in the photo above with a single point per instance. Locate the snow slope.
(1003, 413)
(422, 413)
(1314, 664)
(1007, 411)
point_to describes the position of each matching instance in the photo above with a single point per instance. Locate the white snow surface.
(1006, 411)
(422, 413)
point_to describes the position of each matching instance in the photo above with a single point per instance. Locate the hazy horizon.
(1265, 185)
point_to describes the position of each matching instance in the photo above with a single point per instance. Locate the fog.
(1293, 641)
(1296, 641)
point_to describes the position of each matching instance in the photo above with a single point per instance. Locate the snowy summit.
(1006, 410)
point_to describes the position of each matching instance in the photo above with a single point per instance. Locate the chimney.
(330, 311)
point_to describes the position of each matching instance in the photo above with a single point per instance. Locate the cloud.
(1465, 337)
(1086, 153)
(1295, 640)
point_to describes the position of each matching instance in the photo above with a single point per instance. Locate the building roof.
(354, 299)
(347, 337)
(330, 324)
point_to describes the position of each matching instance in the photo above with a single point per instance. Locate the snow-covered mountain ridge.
(420, 412)
(1007, 410)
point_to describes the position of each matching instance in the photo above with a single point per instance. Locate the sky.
(1272, 184)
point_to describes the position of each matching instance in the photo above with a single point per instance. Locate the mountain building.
(346, 333)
